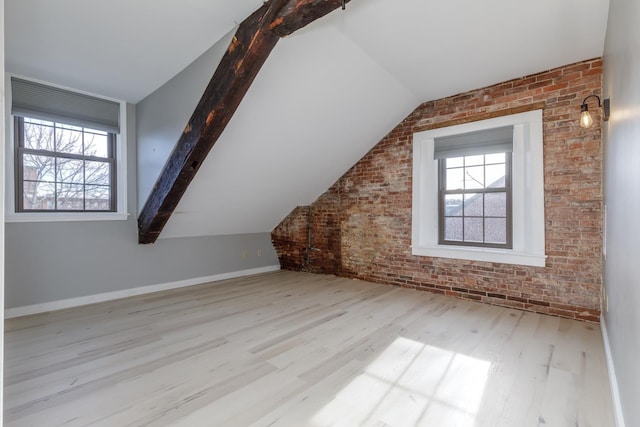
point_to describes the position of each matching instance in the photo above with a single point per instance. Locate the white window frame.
(121, 168)
(527, 193)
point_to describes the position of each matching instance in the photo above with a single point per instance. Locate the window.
(478, 191)
(63, 167)
(69, 157)
(474, 200)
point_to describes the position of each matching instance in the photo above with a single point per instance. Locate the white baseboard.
(613, 380)
(108, 296)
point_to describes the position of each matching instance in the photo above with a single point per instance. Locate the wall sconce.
(585, 117)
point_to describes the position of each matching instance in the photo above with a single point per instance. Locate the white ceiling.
(441, 48)
(124, 49)
(317, 106)
(326, 95)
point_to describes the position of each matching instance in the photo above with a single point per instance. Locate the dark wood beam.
(247, 52)
(299, 13)
(249, 49)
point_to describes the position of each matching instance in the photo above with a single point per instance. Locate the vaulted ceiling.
(325, 96)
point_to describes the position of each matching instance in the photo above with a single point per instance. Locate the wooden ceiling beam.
(249, 49)
(246, 54)
(297, 14)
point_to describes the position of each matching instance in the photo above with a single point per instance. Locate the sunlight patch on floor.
(397, 390)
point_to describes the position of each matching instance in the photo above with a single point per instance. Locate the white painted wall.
(622, 199)
(2, 151)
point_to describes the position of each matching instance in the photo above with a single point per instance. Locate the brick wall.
(361, 227)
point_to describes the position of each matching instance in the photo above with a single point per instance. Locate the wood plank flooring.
(296, 349)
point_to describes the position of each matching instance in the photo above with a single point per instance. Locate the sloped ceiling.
(326, 95)
(124, 49)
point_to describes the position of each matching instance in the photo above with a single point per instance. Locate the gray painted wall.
(622, 198)
(163, 115)
(54, 261)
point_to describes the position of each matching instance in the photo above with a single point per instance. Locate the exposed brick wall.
(292, 238)
(361, 227)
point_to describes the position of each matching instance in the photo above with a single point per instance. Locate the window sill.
(65, 216)
(504, 256)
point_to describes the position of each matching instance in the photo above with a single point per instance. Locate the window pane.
(38, 195)
(70, 196)
(495, 204)
(473, 229)
(38, 137)
(453, 229)
(97, 198)
(496, 230)
(455, 162)
(63, 173)
(453, 205)
(96, 173)
(37, 121)
(69, 127)
(495, 176)
(96, 145)
(38, 168)
(70, 171)
(474, 160)
(68, 141)
(455, 179)
(474, 177)
(495, 158)
(473, 204)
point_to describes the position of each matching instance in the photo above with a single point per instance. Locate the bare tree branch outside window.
(63, 167)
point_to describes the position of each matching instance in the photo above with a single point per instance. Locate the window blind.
(489, 141)
(39, 101)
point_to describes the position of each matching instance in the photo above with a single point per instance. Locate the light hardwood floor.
(295, 349)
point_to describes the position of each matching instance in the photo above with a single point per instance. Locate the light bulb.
(585, 119)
